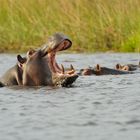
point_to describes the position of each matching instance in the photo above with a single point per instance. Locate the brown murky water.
(96, 107)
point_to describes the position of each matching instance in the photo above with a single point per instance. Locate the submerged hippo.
(98, 70)
(40, 67)
(128, 67)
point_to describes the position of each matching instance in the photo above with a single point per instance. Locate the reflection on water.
(96, 107)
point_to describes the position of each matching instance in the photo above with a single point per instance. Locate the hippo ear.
(125, 68)
(98, 67)
(118, 66)
(21, 59)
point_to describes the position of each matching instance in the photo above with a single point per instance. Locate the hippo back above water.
(98, 70)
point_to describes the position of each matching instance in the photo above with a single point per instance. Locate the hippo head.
(91, 71)
(41, 67)
(86, 71)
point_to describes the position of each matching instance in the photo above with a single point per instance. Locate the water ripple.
(95, 107)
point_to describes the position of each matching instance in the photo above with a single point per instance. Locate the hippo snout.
(64, 81)
(69, 80)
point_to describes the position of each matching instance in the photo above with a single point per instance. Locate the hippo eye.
(31, 52)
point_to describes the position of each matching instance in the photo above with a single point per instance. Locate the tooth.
(63, 70)
(71, 67)
(72, 70)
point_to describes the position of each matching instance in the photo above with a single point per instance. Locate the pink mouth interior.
(55, 68)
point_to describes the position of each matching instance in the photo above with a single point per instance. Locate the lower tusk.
(71, 67)
(63, 70)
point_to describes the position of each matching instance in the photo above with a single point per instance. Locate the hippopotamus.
(98, 70)
(39, 67)
(127, 67)
(13, 76)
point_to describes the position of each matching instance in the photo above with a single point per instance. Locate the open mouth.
(55, 68)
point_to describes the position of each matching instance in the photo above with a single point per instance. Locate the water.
(96, 107)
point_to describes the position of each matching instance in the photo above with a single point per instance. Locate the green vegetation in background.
(92, 25)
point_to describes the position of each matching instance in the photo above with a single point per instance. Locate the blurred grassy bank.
(92, 25)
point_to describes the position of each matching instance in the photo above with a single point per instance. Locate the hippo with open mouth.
(39, 67)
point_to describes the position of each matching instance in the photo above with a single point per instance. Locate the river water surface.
(94, 108)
